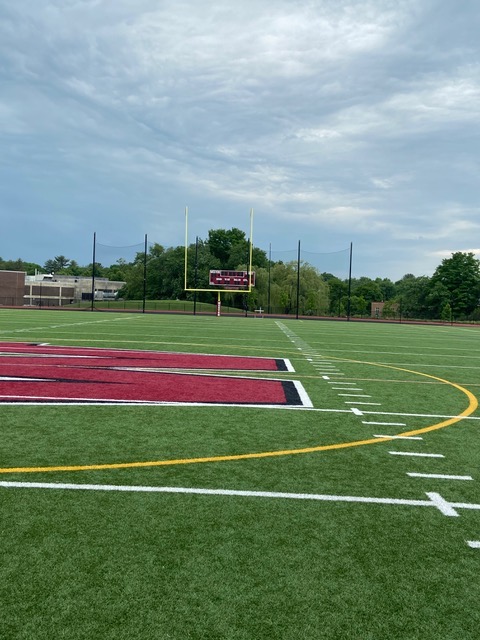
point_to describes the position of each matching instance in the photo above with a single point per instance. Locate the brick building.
(12, 288)
(49, 290)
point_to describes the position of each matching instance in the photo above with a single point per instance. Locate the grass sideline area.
(335, 534)
(175, 306)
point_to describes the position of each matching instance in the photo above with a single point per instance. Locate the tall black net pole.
(144, 275)
(349, 283)
(298, 279)
(93, 269)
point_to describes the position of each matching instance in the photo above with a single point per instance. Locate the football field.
(236, 478)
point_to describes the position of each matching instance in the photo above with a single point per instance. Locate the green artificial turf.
(98, 564)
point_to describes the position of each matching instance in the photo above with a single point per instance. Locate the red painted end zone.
(30, 373)
(131, 358)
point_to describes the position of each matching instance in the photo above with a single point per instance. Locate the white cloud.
(354, 117)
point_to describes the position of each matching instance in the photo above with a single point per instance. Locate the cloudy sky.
(337, 121)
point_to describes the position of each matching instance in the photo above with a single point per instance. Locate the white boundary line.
(75, 402)
(434, 499)
(127, 403)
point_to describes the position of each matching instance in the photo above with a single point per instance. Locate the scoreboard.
(232, 279)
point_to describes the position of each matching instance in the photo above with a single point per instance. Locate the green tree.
(231, 248)
(390, 309)
(20, 265)
(313, 295)
(460, 275)
(283, 285)
(358, 305)
(446, 312)
(100, 270)
(58, 264)
(411, 296)
(73, 269)
(337, 293)
(313, 299)
(200, 278)
(387, 289)
(223, 243)
(367, 289)
(437, 297)
(118, 271)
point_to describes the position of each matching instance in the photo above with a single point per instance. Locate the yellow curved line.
(472, 406)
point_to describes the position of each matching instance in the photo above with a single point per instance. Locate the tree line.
(452, 293)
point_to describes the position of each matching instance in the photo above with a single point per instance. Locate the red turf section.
(30, 373)
(149, 359)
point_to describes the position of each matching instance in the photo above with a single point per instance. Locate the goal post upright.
(251, 251)
(186, 247)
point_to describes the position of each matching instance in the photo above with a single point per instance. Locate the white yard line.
(417, 455)
(434, 499)
(386, 424)
(399, 437)
(420, 415)
(445, 507)
(371, 404)
(61, 326)
(344, 384)
(355, 395)
(438, 476)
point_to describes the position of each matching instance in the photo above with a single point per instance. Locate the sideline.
(435, 499)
